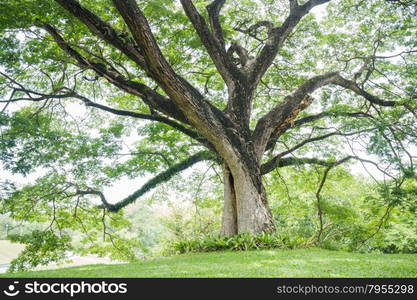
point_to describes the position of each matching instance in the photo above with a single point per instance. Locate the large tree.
(251, 85)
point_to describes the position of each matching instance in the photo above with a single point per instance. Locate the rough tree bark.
(229, 217)
(253, 213)
(245, 203)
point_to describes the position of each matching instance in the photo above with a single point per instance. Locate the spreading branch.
(275, 161)
(213, 10)
(352, 85)
(38, 97)
(213, 40)
(189, 105)
(148, 95)
(151, 184)
(104, 31)
(285, 113)
(308, 119)
(299, 161)
(282, 117)
(278, 36)
(200, 113)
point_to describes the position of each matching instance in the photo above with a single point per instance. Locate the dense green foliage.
(49, 248)
(358, 215)
(266, 263)
(76, 151)
(240, 242)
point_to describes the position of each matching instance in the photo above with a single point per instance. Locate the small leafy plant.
(240, 242)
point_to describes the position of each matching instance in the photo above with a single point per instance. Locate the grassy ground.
(9, 251)
(268, 263)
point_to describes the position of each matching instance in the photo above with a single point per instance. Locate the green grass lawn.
(266, 263)
(9, 251)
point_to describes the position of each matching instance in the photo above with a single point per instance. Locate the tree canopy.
(96, 91)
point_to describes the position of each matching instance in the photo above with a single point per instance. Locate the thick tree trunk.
(245, 204)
